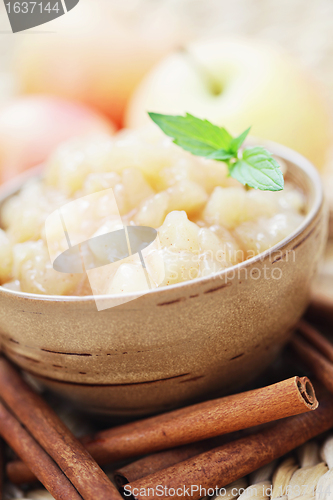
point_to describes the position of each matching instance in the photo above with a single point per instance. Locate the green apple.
(236, 84)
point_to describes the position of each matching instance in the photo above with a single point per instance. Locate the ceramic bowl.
(176, 344)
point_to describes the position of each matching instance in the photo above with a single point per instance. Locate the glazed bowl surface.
(175, 344)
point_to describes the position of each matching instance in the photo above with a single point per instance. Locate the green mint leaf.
(255, 168)
(221, 155)
(199, 137)
(258, 169)
(238, 141)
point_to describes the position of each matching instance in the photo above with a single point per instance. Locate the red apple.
(31, 127)
(97, 55)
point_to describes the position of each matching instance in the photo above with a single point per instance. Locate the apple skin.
(236, 84)
(31, 127)
(95, 56)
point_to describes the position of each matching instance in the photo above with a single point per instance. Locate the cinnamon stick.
(45, 469)
(205, 420)
(163, 459)
(156, 462)
(321, 305)
(195, 423)
(319, 365)
(316, 339)
(54, 437)
(218, 467)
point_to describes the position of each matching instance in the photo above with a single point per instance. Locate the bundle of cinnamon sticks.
(183, 450)
(37, 435)
(316, 351)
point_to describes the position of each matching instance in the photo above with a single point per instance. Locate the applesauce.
(206, 221)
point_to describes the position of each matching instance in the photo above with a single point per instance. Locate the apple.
(237, 83)
(31, 127)
(97, 54)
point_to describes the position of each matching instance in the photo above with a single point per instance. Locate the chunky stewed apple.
(206, 221)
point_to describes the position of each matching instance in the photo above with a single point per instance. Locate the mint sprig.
(254, 167)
